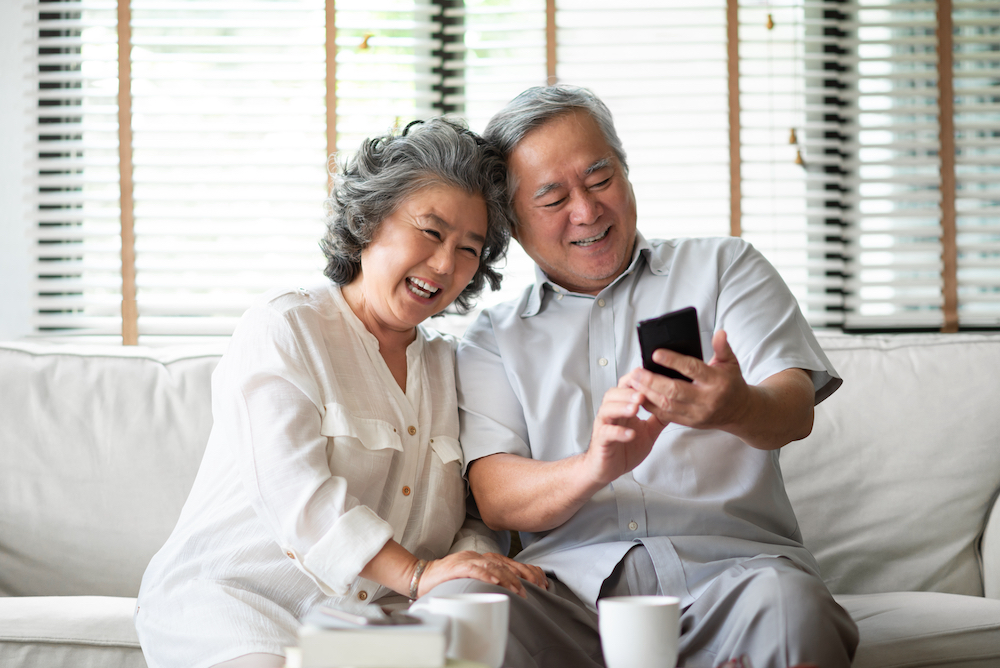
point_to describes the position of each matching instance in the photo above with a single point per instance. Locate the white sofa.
(895, 492)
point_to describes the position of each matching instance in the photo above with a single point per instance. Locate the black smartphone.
(677, 331)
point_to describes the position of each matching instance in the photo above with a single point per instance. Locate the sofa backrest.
(99, 447)
(894, 485)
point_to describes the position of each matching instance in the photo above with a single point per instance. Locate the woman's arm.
(393, 567)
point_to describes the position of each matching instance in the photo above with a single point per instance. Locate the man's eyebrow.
(596, 166)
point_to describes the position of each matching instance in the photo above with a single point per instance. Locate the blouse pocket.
(360, 450)
(446, 500)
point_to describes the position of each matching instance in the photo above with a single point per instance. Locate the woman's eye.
(433, 233)
(474, 251)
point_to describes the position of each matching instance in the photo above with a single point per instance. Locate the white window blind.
(388, 66)
(893, 195)
(228, 125)
(73, 167)
(661, 69)
(790, 157)
(977, 154)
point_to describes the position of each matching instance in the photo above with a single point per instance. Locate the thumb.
(720, 346)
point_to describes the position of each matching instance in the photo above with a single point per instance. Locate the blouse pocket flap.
(373, 434)
(446, 448)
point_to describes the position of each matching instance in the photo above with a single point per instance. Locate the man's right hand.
(514, 492)
(620, 440)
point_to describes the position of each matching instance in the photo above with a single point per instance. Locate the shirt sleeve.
(490, 413)
(267, 400)
(765, 327)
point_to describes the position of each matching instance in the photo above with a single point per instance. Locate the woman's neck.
(392, 342)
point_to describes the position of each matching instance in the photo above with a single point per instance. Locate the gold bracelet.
(415, 580)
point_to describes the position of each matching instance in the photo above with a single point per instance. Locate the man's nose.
(584, 209)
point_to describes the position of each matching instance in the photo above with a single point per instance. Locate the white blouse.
(315, 460)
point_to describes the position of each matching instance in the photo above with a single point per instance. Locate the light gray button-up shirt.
(532, 374)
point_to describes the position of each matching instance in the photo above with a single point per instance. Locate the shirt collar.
(641, 252)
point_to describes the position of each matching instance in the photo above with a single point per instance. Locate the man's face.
(574, 204)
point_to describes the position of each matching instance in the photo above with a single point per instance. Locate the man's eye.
(602, 183)
(555, 203)
(433, 233)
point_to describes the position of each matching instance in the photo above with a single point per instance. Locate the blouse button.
(411, 430)
(362, 595)
(406, 490)
(602, 362)
(632, 526)
(290, 555)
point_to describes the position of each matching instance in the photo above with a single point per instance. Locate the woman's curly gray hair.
(389, 169)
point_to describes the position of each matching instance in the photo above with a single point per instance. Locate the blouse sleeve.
(266, 399)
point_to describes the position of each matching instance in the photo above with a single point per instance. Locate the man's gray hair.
(536, 106)
(388, 169)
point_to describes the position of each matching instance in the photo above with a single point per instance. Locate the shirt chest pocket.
(360, 450)
(446, 500)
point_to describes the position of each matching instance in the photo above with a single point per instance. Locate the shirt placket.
(604, 376)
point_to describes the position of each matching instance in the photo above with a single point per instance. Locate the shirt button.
(632, 526)
(406, 490)
(558, 297)
(600, 302)
(362, 595)
(290, 555)
(602, 362)
(411, 430)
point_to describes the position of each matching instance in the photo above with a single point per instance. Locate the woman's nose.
(443, 260)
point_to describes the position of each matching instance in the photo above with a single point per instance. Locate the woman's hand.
(491, 568)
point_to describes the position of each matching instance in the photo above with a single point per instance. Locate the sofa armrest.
(991, 552)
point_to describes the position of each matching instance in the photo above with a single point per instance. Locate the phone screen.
(677, 331)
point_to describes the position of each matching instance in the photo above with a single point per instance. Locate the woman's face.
(422, 256)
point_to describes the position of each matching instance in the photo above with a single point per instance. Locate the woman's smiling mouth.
(421, 289)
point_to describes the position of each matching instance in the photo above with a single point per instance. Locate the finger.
(723, 351)
(532, 574)
(613, 433)
(691, 367)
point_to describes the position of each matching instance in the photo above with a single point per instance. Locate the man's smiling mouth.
(421, 289)
(592, 240)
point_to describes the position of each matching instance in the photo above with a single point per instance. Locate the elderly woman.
(332, 473)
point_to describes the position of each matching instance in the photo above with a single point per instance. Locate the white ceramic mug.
(478, 625)
(639, 631)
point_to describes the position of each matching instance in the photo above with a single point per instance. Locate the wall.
(15, 305)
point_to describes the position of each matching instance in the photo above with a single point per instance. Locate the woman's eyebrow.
(475, 236)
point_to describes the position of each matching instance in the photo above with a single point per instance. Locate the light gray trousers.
(766, 609)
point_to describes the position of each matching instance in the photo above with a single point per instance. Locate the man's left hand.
(766, 416)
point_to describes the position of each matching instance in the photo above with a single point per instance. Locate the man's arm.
(514, 492)
(766, 416)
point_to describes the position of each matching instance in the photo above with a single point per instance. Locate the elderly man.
(625, 482)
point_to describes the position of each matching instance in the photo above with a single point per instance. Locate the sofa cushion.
(98, 451)
(78, 631)
(893, 486)
(929, 630)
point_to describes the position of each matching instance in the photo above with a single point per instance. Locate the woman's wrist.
(418, 572)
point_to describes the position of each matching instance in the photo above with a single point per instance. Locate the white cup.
(478, 625)
(639, 631)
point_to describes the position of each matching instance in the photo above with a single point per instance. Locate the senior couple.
(334, 472)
